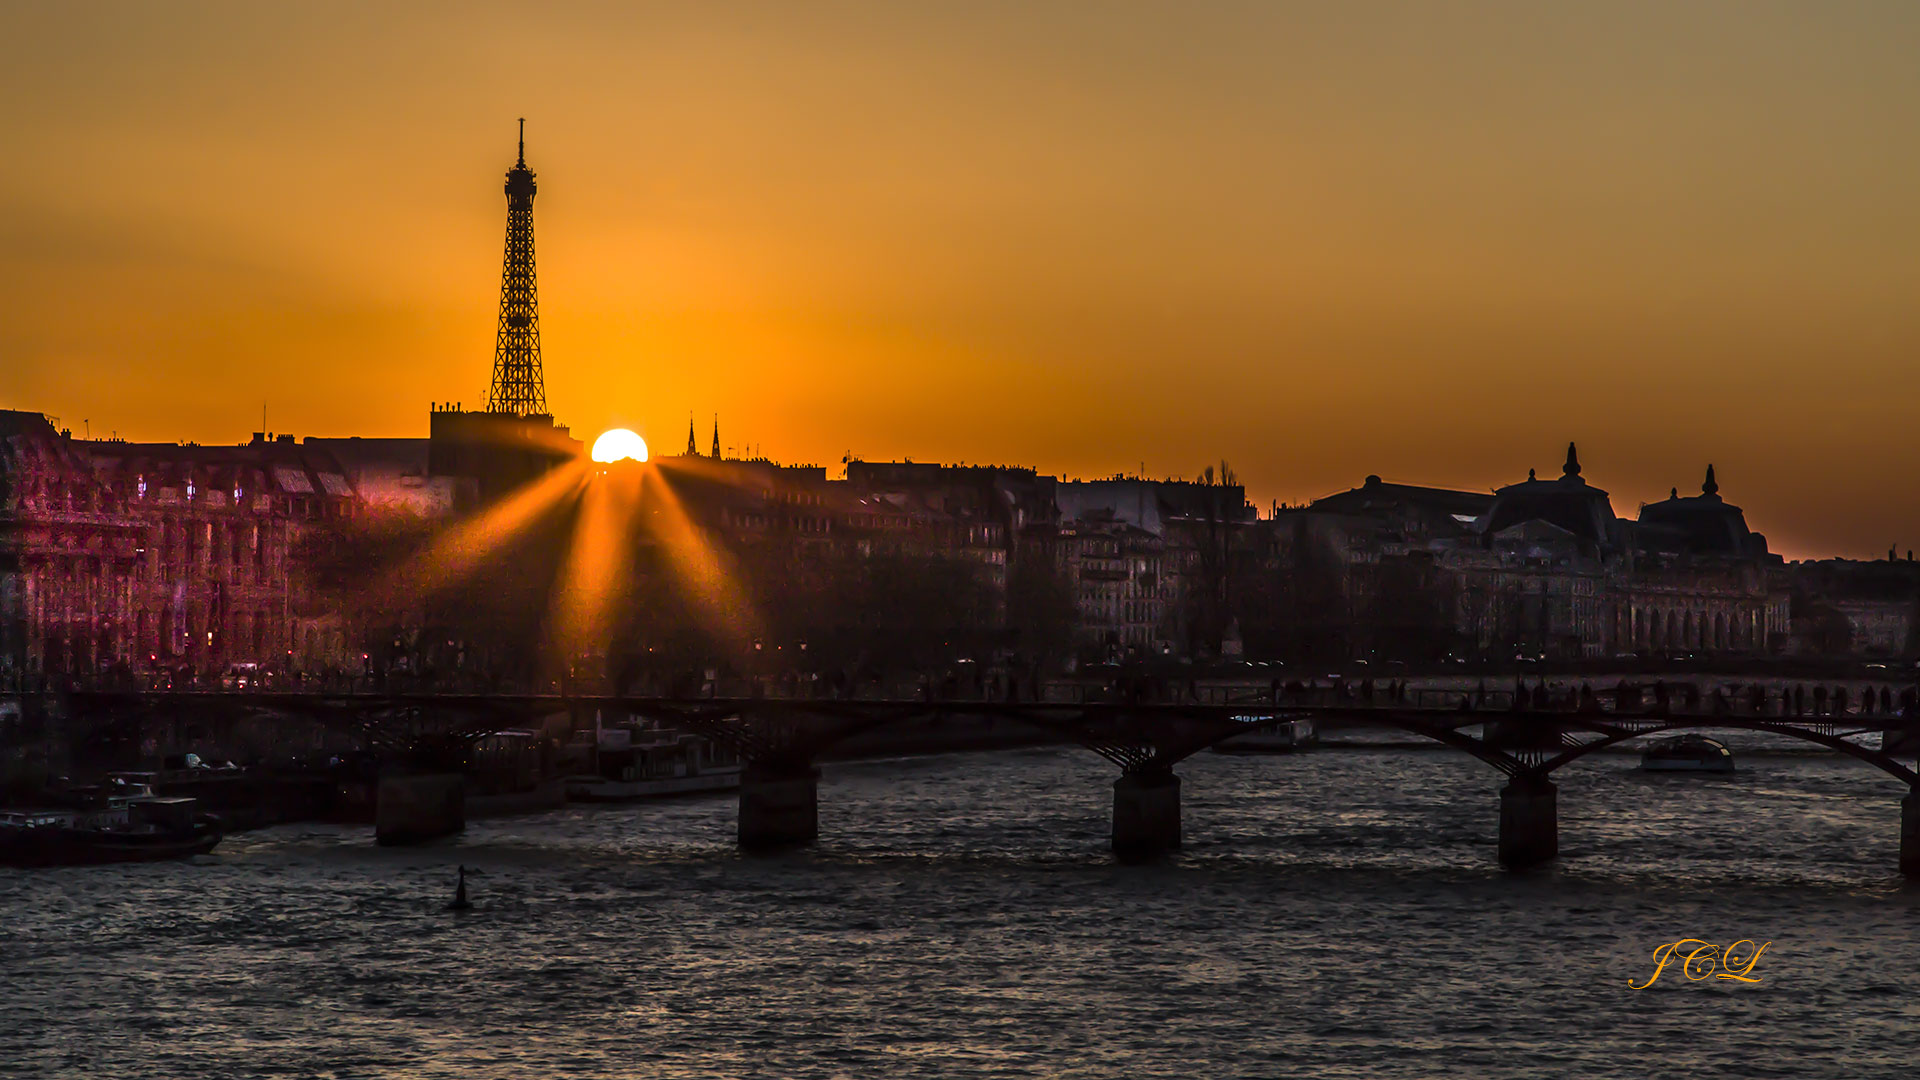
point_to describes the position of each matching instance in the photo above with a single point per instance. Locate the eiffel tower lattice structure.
(519, 388)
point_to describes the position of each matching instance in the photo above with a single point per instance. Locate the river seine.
(1333, 914)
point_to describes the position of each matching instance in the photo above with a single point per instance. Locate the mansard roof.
(1376, 496)
(1568, 502)
(1703, 523)
(260, 466)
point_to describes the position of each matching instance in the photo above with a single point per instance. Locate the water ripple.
(1336, 914)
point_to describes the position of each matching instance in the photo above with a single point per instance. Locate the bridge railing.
(1657, 698)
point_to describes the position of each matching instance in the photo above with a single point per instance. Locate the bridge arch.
(1611, 735)
(1445, 735)
(834, 723)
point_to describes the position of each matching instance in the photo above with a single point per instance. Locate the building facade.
(1539, 568)
(135, 557)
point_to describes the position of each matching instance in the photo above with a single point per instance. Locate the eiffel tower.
(519, 388)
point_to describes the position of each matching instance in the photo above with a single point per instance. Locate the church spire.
(692, 450)
(716, 436)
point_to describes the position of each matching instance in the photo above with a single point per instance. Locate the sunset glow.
(1319, 241)
(1147, 492)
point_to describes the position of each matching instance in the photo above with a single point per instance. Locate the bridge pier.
(779, 808)
(1910, 834)
(1529, 822)
(412, 809)
(1146, 815)
(1900, 743)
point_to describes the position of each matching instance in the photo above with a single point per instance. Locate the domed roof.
(1705, 523)
(1568, 503)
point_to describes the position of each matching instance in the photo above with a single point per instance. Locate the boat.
(1276, 737)
(1686, 753)
(647, 764)
(142, 828)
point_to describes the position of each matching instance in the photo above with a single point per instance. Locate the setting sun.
(619, 444)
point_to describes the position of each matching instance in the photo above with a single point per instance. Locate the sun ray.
(458, 551)
(599, 561)
(697, 567)
(617, 511)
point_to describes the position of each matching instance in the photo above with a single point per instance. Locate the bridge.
(1144, 729)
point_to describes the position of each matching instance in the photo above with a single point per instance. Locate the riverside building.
(136, 556)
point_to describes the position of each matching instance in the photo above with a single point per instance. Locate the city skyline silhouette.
(1316, 245)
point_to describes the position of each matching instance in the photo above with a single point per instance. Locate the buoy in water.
(460, 901)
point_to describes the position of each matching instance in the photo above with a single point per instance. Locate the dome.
(1704, 523)
(1568, 503)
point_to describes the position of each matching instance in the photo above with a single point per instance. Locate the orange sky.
(1432, 241)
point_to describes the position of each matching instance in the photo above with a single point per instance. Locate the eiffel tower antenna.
(519, 387)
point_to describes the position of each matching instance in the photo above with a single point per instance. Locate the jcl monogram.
(1699, 961)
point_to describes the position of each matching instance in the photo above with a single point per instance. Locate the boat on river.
(1687, 753)
(1276, 737)
(650, 763)
(143, 828)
